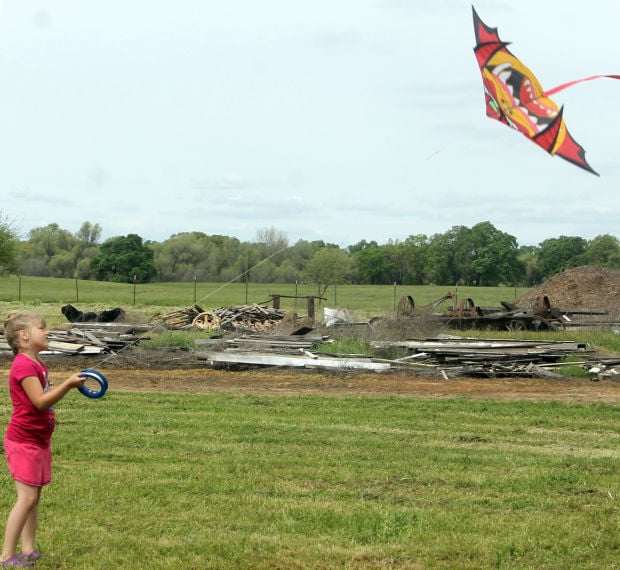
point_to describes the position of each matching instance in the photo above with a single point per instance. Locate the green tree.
(272, 243)
(9, 246)
(374, 267)
(89, 234)
(415, 250)
(328, 266)
(49, 240)
(42, 245)
(439, 260)
(86, 248)
(528, 259)
(53, 251)
(123, 260)
(604, 251)
(495, 258)
(559, 254)
(302, 251)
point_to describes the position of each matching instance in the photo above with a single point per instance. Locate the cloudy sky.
(334, 120)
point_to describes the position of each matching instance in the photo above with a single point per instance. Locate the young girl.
(29, 433)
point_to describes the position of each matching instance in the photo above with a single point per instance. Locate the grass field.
(221, 481)
(47, 295)
(365, 301)
(163, 481)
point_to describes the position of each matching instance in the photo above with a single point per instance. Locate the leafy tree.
(53, 251)
(439, 261)
(495, 256)
(604, 251)
(330, 265)
(559, 254)
(123, 259)
(190, 255)
(286, 272)
(481, 255)
(49, 240)
(272, 244)
(361, 246)
(528, 259)
(415, 250)
(373, 266)
(88, 234)
(397, 261)
(462, 246)
(9, 243)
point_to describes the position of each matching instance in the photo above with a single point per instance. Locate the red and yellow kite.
(515, 97)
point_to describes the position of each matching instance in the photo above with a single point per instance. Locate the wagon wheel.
(406, 305)
(516, 325)
(207, 321)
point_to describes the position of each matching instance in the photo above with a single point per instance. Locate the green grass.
(163, 481)
(365, 301)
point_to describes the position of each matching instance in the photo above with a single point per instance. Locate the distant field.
(364, 301)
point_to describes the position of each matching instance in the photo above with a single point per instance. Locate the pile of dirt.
(585, 287)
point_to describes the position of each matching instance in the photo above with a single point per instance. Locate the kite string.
(242, 274)
(162, 327)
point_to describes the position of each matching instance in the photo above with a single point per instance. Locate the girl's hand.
(76, 381)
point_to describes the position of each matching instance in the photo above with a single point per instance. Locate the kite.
(514, 96)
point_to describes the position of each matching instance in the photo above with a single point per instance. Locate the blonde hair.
(17, 321)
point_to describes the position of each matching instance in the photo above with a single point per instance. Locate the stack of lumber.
(88, 339)
(183, 318)
(485, 357)
(282, 344)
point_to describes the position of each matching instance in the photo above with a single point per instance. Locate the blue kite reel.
(95, 375)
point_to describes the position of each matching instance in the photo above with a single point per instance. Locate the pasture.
(227, 480)
(364, 301)
(223, 481)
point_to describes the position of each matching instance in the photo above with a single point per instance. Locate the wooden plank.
(65, 346)
(290, 360)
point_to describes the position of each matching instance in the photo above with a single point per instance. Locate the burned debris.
(74, 315)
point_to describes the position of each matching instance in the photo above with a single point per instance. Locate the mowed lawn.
(165, 481)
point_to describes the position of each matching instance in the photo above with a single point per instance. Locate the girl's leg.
(27, 500)
(30, 528)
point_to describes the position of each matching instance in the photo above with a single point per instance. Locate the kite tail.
(571, 83)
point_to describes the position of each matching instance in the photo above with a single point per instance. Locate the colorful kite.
(515, 97)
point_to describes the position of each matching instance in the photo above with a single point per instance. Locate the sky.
(333, 120)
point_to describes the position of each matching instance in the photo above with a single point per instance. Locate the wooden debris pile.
(88, 339)
(457, 356)
(253, 318)
(292, 351)
(181, 319)
(281, 344)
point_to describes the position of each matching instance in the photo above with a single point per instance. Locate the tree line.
(481, 255)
